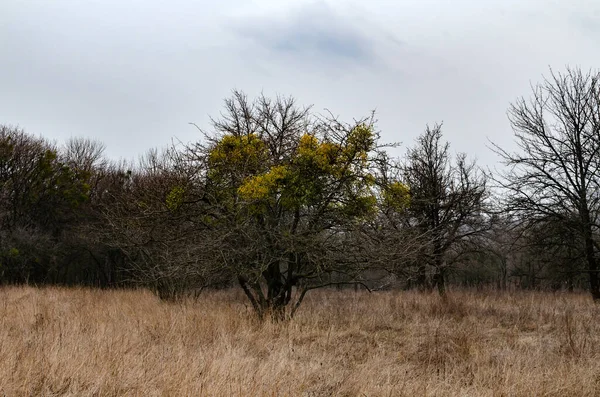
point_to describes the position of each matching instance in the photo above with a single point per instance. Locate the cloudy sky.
(134, 73)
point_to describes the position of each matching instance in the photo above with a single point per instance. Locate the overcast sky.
(133, 74)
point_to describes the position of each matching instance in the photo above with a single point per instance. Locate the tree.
(283, 193)
(154, 226)
(388, 241)
(40, 199)
(554, 175)
(447, 203)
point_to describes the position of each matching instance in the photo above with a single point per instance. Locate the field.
(81, 342)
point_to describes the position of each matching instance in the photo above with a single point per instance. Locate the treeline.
(279, 200)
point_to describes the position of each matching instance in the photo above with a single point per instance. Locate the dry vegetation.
(128, 343)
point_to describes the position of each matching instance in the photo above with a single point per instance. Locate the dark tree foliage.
(40, 196)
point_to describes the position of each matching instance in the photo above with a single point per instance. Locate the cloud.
(315, 31)
(133, 74)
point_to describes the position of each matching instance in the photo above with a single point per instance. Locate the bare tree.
(446, 205)
(555, 173)
(84, 154)
(147, 210)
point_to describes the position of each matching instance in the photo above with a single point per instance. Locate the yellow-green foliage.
(396, 195)
(321, 155)
(336, 158)
(262, 186)
(308, 145)
(238, 153)
(314, 169)
(175, 198)
(361, 140)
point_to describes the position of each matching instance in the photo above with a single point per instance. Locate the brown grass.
(80, 342)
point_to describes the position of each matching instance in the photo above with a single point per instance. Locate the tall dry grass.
(80, 342)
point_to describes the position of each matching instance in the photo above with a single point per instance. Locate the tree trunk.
(592, 267)
(256, 305)
(504, 275)
(439, 281)
(589, 253)
(439, 276)
(570, 282)
(421, 280)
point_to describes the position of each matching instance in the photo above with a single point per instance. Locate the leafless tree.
(554, 175)
(84, 154)
(447, 204)
(146, 209)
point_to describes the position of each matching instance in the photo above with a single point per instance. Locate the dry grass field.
(81, 342)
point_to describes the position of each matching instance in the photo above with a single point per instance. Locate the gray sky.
(134, 73)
